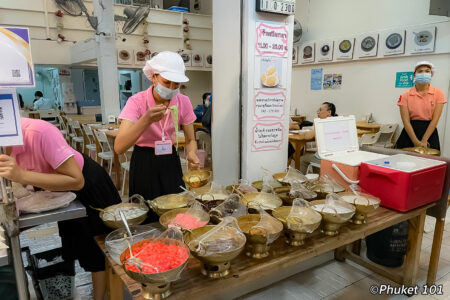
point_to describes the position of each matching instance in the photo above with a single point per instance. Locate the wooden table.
(361, 132)
(299, 141)
(298, 119)
(371, 127)
(250, 274)
(197, 126)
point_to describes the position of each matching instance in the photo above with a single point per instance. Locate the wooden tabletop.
(366, 125)
(248, 274)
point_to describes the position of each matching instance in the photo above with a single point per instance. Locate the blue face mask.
(422, 78)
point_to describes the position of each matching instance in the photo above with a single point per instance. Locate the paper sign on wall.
(404, 79)
(316, 79)
(269, 105)
(267, 136)
(272, 39)
(393, 42)
(270, 72)
(421, 40)
(10, 129)
(15, 58)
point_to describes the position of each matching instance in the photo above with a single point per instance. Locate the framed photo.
(343, 48)
(393, 42)
(366, 45)
(324, 50)
(307, 53)
(421, 40)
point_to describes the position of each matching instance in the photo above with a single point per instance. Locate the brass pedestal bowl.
(364, 204)
(423, 150)
(168, 202)
(135, 214)
(197, 178)
(216, 265)
(266, 201)
(167, 217)
(258, 239)
(279, 177)
(296, 228)
(332, 218)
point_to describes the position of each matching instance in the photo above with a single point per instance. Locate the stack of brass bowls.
(197, 178)
(364, 204)
(266, 201)
(296, 228)
(167, 217)
(332, 220)
(423, 150)
(168, 202)
(215, 265)
(155, 285)
(258, 240)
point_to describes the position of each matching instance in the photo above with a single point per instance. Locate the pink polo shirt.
(421, 108)
(137, 106)
(44, 148)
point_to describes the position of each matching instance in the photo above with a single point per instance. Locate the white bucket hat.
(424, 63)
(168, 64)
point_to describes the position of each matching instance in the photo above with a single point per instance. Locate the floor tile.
(346, 271)
(427, 242)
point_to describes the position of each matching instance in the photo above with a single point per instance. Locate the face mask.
(207, 103)
(166, 93)
(422, 78)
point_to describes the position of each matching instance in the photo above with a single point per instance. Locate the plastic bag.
(325, 184)
(267, 226)
(216, 192)
(225, 237)
(194, 217)
(358, 197)
(335, 205)
(232, 207)
(298, 190)
(294, 175)
(161, 255)
(267, 186)
(302, 214)
(244, 186)
(20, 191)
(42, 201)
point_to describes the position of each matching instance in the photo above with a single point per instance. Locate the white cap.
(424, 63)
(168, 64)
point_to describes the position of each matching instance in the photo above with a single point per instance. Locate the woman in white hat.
(420, 109)
(147, 124)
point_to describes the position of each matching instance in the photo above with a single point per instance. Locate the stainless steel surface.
(19, 272)
(73, 211)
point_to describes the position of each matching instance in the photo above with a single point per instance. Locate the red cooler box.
(403, 182)
(338, 148)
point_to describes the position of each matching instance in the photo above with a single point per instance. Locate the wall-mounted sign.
(343, 48)
(393, 42)
(270, 72)
(64, 72)
(10, 129)
(404, 79)
(316, 79)
(421, 40)
(272, 39)
(269, 105)
(324, 50)
(285, 7)
(367, 45)
(15, 58)
(267, 136)
(307, 52)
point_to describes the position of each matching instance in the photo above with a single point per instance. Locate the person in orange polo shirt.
(420, 109)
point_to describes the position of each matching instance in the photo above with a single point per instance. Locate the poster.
(324, 50)
(421, 40)
(366, 45)
(15, 58)
(306, 54)
(343, 48)
(272, 39)
(269, 105)
(270, 72)
(267, 136)
(316, 79)
(404, 79)
(337, 81)
(327, 81)
(393, 42)
(10, 129)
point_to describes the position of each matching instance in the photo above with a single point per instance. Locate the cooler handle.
(336, 168)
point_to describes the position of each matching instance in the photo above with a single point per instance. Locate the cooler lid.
(406, 163)
(336, 135)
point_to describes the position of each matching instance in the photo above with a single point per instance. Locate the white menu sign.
(272, 39)
(267, 136)
(10, 129)
(269, 105)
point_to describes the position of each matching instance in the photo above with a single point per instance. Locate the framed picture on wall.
(366, 45)
(294, 55)
(124, 56)
(306, 52)
(421, 40)
(343, 48)
(324, 50)
(393, 42)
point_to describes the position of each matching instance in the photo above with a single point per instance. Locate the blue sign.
(316, 79)
(404, 79)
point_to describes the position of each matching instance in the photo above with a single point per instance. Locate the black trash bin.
(8, 289)
(388, 247)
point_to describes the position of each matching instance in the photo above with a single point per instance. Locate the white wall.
(199, 83)
(368, 85)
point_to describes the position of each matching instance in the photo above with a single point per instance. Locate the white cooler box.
(338, 148)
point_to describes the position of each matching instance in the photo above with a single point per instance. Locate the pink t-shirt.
(44, 148)
(137, 106)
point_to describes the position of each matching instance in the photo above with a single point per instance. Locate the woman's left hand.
(193, 161)
(9, 168)
(424, 143)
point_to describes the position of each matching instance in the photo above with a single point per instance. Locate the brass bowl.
(197, 178)
(322, 190)
(258, 185)
(257, 239)
(423, 150)
(296, 235)
(167, 217)
(216, 265)
(155, 285)
(267, 201)
(363, 204)
(332, 221)
(279, 177)
(117, 223)
(163, 204)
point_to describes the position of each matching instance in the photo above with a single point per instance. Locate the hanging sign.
(269, 105)
(272, 39)
(404, 79)
(267, 136)
(15, 58)
(10, 129)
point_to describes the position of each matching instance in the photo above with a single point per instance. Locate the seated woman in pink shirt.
(46, 161)
(147, 124)
(420, 109)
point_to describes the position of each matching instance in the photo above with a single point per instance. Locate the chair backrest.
(89, 134)
(103, 140)
(76, 129)
(369, 139)
(386, 133)
(48, 113)
(62, 123)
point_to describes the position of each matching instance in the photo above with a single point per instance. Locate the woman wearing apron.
(46, 161)
(420, 109)
(147, 124)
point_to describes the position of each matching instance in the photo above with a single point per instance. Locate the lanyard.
(164, 128)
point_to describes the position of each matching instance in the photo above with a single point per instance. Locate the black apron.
(153, 175)
(77, 235)
(419, 127)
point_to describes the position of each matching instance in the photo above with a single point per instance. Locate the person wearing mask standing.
(147, 124)
(420, 110)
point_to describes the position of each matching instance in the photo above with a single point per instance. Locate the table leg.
(411, 264)
(435, 251)
(113, 283)
(298, 150)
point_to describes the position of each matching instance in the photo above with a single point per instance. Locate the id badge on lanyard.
(163, 147)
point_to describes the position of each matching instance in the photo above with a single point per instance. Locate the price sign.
(10, 129)
(285, 7)
(272, 39)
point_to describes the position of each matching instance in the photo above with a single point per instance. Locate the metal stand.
(10, 220)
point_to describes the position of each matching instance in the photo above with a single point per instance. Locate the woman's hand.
(421, 144)
(9, 168)
(155, 113)
(193, 161)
